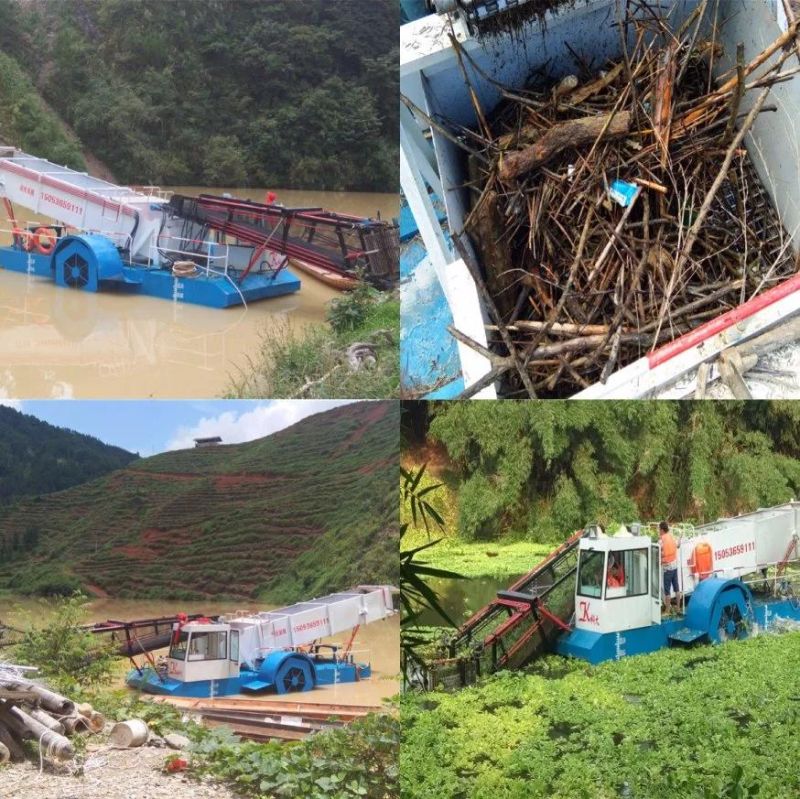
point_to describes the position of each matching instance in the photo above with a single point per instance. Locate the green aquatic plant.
(702, 723)
(359, 760)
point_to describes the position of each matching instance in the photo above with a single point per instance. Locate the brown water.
(377, 643)
(59, 343)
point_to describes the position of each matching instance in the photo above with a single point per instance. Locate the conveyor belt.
(340, 243)
(517, 626)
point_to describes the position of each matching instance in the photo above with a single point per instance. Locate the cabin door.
(655, 584)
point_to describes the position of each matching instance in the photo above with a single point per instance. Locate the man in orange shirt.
(669, 567)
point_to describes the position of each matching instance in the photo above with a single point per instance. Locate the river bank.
(59, 343)
(377, 644)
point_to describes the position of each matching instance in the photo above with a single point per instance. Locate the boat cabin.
(618, 583)
(204, 651)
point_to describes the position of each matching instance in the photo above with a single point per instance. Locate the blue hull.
(325, 673)
(212, 291)
(598, 647)
(149, 682)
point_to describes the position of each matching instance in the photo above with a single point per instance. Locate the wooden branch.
(557, 328)
(491, 307)
(560, 137)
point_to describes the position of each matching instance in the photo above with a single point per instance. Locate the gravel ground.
(108, 774)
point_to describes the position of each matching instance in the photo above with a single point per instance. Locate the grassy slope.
(312, 366)
(27, 122)
(309, 509)
(674, 723)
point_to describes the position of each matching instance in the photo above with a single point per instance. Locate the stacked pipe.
(617, 208)
(32, 712)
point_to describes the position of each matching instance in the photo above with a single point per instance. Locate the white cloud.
(234, 427)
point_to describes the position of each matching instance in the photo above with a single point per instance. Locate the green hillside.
(283, 93)
(310, 509)
(27, 122)
(37, 458)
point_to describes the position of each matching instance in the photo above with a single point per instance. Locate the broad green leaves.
(708, 722)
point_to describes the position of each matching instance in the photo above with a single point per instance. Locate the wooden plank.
(260, 733)
(268, 705)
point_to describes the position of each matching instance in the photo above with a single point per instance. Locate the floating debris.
(619, 210)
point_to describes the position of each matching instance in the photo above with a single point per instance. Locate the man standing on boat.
(669, 567)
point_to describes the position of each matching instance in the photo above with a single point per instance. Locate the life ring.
(44, 240)
(185, 269)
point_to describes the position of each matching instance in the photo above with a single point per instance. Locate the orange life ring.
(44, 248)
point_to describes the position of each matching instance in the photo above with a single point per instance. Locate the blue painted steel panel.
(256, 685)
(32, 263)
(413, 9)
(330, 673)
(429, 361)
(701, 622)
(597, 647)
(107, 272)
(151, 683)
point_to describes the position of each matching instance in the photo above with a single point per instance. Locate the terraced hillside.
(309, 509)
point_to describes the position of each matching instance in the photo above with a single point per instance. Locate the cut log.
(48, 721)
(26, 727)
(16, 752)
(560, 137)
(48, 699)
(76, 723)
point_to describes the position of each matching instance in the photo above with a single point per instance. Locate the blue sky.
(151, 426)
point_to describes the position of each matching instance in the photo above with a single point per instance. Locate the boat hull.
(213, 291)
(335, 280)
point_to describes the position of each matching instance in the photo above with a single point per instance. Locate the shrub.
(65, 654)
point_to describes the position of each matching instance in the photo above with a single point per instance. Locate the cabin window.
(208, 646)
(627, 573)
(177, 649)
(235, 646)
(655, 573)
(590, 573)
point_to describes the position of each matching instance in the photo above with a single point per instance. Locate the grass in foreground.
(314, 365)
(706, 722)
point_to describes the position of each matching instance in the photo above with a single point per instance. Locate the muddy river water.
(58, 343)
(377, 643)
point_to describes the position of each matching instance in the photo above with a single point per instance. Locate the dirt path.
(108, 774)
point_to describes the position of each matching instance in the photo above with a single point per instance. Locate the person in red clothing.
(616, 574)
(669, 567)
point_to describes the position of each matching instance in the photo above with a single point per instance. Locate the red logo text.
(586, 616)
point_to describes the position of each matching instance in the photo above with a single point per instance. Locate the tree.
(415, 593)
(544, 469)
